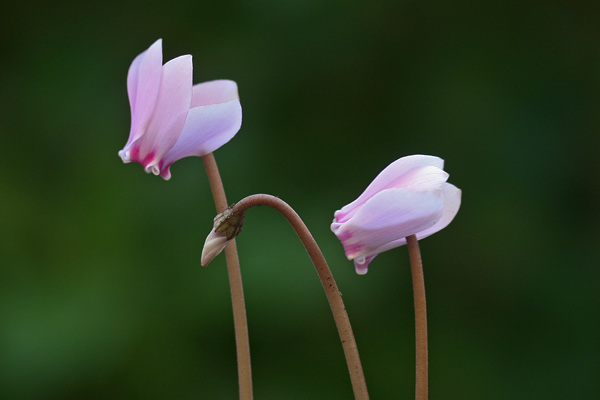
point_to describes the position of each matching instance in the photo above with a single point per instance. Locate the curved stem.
(334, 297)
(416, 266)
(235, 282)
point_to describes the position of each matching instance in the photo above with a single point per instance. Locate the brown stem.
(334, 297)
(416, 266)
(235, 282)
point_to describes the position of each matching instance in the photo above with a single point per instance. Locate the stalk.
(416, 267)
(334, 297)
(240, 321)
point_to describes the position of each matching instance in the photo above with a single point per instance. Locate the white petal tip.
(209, 254)
(213, 246)
(204, 262)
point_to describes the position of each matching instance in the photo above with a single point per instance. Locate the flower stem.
(334, 297)
(235, 282)
(416, 266)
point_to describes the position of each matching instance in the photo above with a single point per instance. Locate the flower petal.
(418, 178)
(388, 216)
(452, 200)
(213, 92)
(386, 177)
(174, 98)
(206, 129)
(143, 81)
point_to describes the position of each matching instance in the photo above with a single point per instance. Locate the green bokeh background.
(101, 290)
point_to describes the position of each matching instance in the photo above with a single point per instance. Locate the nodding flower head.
(409, 197)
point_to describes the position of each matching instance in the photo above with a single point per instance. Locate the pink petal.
(388, 216)
(143, 81)
(174, 98)
(387, 177)
(206, 129)
(214, 92)
(452, 200)
(418, 178)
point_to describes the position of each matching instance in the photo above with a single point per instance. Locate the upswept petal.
(418, 178)
(143, 81)
(174, 98)
(206, 129)
(213, 92)
(452, 200)
(389, 215)
(386, 177)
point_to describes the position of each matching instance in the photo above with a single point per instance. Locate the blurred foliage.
(101, 290)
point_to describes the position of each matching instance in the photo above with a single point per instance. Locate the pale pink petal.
(213, 92)
(420, 178)
(335, 225)
(417, 178)
(174, 98)
(206, 129)
(386, 177)
(143, 81)
(452, 200)
(389, 215)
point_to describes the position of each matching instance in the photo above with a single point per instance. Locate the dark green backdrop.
(101, 290)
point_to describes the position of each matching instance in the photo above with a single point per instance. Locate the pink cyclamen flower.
(171, 118)
(409, 197)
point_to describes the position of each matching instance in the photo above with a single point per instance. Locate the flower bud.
(227, 225)
(214, 244)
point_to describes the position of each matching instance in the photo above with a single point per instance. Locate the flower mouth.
(152, 168)
(125, 156)
(361, 266)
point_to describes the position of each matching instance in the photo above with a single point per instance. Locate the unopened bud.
(227, 225)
